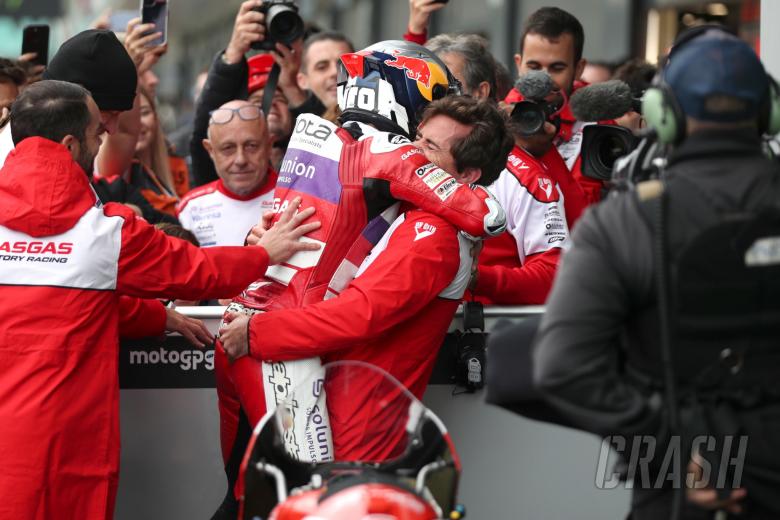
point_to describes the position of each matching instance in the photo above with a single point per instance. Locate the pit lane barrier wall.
(513, 468)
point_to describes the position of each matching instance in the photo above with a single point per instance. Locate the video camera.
(530, 116)
(615, 155)
(283, 24)
(612, 153)
(534, 110)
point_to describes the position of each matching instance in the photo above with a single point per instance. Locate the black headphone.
(663, 113)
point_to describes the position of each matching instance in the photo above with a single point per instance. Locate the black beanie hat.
(97, 61)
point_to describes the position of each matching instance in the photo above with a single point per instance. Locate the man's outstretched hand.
(194, 330)
(283, 239)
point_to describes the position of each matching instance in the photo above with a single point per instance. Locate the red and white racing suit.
(219, 217)
(354, 179)
(518, 267)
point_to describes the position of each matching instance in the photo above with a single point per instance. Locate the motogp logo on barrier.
(186, 360)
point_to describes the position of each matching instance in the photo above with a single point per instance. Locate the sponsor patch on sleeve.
(436, 177)
(447, 189)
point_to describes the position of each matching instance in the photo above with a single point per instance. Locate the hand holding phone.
(35, 39)
(156, 12)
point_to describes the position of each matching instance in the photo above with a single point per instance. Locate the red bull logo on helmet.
(416, 68)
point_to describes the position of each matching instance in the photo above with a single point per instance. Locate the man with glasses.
(222, 212)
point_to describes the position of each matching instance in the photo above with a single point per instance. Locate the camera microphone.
(535, 85)
(601, 101)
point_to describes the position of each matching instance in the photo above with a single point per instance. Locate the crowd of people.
(376, 192)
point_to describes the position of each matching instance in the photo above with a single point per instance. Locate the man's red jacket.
(64, 261)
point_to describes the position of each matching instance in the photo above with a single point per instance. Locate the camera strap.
(270, 89)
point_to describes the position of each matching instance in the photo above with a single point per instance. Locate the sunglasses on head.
(222, 116)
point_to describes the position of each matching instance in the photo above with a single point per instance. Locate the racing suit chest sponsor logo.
(293, 166)
(308, 174)
(315, 135)
(410, 153)
(313, 129)
(423, 170)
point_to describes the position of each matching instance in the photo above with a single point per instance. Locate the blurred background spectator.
(12, 79)
(638, 74)
(161, 176)
(597, 71)
(615, 29)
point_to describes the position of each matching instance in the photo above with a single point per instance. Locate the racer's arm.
(412, 178)
(577, 351)
(403, 279)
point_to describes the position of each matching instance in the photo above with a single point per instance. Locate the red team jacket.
(354, 184)
(394, 315)
(64, 261)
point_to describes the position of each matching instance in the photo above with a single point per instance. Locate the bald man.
(222, 212)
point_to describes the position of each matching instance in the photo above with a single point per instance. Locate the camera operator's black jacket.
(602, 324)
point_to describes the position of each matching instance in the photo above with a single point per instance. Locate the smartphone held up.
(35, 39)
(156, 12)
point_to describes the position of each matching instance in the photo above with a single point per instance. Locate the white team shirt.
(218, 217)
(534, 207)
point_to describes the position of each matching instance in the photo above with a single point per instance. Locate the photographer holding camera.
(597, 359)
(231, 76)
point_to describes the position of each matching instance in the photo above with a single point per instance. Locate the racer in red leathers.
(354, 175)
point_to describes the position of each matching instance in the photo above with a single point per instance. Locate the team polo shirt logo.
(423, 230)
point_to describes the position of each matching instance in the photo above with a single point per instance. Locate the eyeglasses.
(222, 116)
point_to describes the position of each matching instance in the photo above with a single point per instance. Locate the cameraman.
(553, 41)
(230, 77)
(597, 358)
